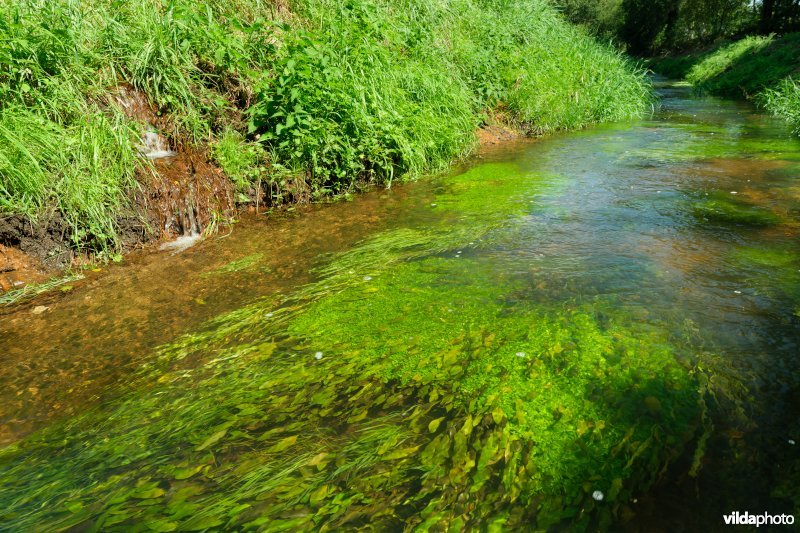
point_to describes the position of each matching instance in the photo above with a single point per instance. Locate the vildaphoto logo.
(764, 519)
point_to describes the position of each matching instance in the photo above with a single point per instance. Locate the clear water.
(613, 312)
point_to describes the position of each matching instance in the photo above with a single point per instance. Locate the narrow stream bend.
(594, 329)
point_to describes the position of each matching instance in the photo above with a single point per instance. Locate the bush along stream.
(125, 121)
(562, 336)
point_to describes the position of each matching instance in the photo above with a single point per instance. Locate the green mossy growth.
(772, 270)
(725, 208)
(411, 386)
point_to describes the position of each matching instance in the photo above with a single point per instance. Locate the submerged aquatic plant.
(432, 420)
(27, 292)
(723, 208)
(395, 401)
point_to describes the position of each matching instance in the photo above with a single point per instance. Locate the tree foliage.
(646, 22)
(653, 26)
(779, 16)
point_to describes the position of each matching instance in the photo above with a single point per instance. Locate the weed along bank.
(556, 293)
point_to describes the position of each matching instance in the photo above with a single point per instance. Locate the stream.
(591, 330)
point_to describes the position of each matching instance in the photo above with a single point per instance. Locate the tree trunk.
(767, 22)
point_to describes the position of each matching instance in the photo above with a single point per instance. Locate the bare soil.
(18, 269)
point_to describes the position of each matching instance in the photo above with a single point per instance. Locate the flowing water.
(592, 330)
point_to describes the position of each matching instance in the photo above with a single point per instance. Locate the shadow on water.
(597, 330)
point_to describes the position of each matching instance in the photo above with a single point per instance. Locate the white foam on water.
(181, 243)
(154, 146)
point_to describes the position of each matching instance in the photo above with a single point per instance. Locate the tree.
(647, 22)
(602, 18)
(704, 21)
(779, 16)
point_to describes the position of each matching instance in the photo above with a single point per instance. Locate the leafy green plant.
(243, 161)
(380, 107)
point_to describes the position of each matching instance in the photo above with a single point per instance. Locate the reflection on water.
(613, 310)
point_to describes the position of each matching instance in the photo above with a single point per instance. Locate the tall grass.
(29, 155)
(332, 93)
(406, 96)
(784, 101)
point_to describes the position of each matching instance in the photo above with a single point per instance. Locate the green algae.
(409, 386)
(379, 425)
(689, 138)
(773, 270)
(463, 217)
(778, 257)
(518, 353)
(724, 208)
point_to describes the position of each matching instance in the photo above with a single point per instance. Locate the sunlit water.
(613, 310)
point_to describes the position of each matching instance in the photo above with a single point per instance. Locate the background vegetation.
(763, 68)
(307, 99)
(647, 27)
(726, 47)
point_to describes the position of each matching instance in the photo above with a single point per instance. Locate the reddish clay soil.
(492, 134)
(18, 269)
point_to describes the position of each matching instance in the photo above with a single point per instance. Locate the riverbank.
(765, 69)
(152, 120)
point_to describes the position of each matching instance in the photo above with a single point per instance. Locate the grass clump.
(241, 160)
(784, 101)
(312, 96)
(84, 169)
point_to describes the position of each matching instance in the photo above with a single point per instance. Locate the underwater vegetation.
(478, 419)
(412, 385)
(773, 271)
(719, 207)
